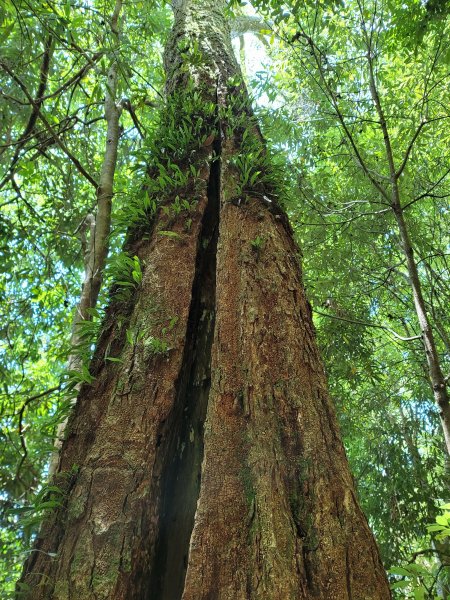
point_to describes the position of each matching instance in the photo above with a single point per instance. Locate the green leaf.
(442, 520)
(400, 571)
(129, 335)
(419, 593)
(399, 585)
(169, 234)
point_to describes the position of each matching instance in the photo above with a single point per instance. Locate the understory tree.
(203, 457)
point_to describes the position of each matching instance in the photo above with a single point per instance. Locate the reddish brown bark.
(256, 501)
(101, 545)
(277, 515)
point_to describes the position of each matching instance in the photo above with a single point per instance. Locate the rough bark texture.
(212, 469)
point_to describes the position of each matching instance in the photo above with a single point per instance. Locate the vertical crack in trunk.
(182, 455)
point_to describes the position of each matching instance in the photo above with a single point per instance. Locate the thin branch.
(49, 128)
(408, 150)
(428, 193)
(21, 412)
(414, 555)
(77, 77)
(377, 103)
(367, 324)
(126, 104)
(316, 52)
(413, 139)
(37, 103)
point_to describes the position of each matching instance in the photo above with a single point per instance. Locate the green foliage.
(19, 524)
(441, 529)
(248, 161)
(353, 265)
(47, 499)
(156, 346)
(186, 120)
(419, 578)
(125, 274)
(168, 160)
(257, 243)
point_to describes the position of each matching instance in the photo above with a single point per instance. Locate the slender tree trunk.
(97, 246)
(436, 376)
(437, 380)
(95, 229)
(212, 467)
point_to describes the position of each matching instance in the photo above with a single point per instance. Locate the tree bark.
(209, 466)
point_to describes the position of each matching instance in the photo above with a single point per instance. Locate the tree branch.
(430, 189)
(408, 150)
(367, 324)
(37, 103)
(49, 128)
(316, 52)
(413, 139)
(20, 425)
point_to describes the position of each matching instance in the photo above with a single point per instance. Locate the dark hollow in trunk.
(182, 456)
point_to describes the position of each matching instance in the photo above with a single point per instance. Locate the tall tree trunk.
(207, 463)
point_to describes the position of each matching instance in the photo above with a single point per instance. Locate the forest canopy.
(352, 97)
